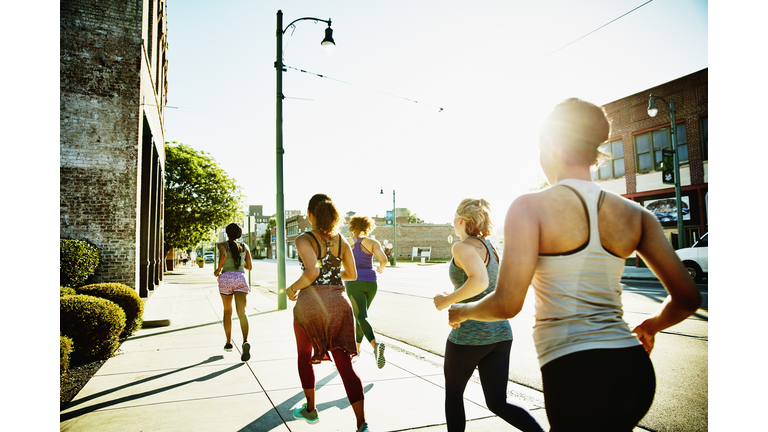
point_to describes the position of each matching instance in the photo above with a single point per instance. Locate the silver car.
(696, 258)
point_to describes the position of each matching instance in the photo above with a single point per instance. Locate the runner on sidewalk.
(234, 259)
(482, 345)
(362, 290)
(323, 318)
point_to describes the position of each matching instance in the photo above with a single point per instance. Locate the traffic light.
(667, 167)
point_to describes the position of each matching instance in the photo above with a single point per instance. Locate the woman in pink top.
(569, 242)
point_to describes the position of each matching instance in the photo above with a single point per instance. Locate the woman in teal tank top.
(482, 345)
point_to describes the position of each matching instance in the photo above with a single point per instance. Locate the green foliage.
(66, 291)
(125, 297)
(271, 223)
(199, 197)
(65, 350)
(78, 261)
(412, 218)
(539, 184)
(94, 325)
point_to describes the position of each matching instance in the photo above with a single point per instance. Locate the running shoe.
(379, 355)
(246, 351)
(310, 417)
(228, 347)
(364, 428)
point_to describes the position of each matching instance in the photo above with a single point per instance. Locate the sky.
(436, 100)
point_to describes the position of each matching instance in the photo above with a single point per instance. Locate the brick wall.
(410, 236)
(100, 128)
(629, 116)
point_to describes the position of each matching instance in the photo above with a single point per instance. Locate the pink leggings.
(352, 383)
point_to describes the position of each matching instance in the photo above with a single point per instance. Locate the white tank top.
(578, 294)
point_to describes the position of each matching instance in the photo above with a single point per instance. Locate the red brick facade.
(629, 118)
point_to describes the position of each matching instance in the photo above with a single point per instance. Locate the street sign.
(668, 167)
(389, 217)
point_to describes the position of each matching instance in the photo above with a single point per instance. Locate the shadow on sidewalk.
(195, 326)
(76, 413)
(284, 409)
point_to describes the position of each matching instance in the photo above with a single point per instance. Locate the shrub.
(94, 325)
(78, 261)
(66, 291)
(65, 350)
(125, 297)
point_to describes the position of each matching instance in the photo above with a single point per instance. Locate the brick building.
(113, 89)
(635, 145)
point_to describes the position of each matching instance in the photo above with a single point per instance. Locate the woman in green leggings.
(362, 291)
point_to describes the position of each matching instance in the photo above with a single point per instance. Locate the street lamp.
(328, 46)
(652, 111)
(394, 228)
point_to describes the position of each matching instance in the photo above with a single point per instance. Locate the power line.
(573, 42)
(366, 88)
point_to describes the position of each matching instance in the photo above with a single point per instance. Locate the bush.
(94, 325)
(66, 291)
(78, 261)
(65, 350)
(125, 297)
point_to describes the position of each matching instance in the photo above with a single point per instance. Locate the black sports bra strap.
(316, 242)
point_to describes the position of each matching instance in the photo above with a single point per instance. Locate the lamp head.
(652, 109)
(382, 191)
(328, 44)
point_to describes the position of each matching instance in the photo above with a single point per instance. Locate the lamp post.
(328, 45)
(652, 111)
(394, 228)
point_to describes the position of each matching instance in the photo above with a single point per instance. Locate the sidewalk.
(173, 374)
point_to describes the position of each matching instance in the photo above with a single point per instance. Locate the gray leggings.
(361, 294)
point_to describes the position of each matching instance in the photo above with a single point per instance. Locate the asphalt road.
(403, 310)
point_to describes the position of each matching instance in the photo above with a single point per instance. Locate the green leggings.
(361, 294)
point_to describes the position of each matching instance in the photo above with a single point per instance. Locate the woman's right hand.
(291, 294)
(441, 301)
(646, 337)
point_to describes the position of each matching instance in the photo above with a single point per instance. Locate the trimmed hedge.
(94, 325)
(66, 291)
(125, 297)
(78, 261)
(65, 350)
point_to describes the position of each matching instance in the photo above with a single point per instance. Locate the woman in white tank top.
(569, 242)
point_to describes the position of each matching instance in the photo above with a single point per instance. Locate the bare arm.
(465, 256)
(521, 253)
(349, 271)
(311, 272)
(248, 264)
(222, 258)
(378, 251)
(684, 297)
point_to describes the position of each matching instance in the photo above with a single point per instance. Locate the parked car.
(696, 259)
(209, 256)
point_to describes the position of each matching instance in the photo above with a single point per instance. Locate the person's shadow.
(270, 421)
(105, 404)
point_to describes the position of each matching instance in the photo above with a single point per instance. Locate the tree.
(412, 218)
(199, 197)
(539, 184)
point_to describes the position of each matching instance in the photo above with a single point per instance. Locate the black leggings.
(598, 390)
(492, 361)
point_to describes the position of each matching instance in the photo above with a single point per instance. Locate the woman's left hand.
(454, 315)
(216, 273)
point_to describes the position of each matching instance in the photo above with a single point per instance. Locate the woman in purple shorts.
(234, 260)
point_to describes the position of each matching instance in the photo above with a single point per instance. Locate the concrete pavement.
(173, 374)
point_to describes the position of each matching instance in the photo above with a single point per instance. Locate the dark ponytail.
(328, 221)
(234, 232)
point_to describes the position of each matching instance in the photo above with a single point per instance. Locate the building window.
(704, 138)
(648, 147)
(614, 166)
